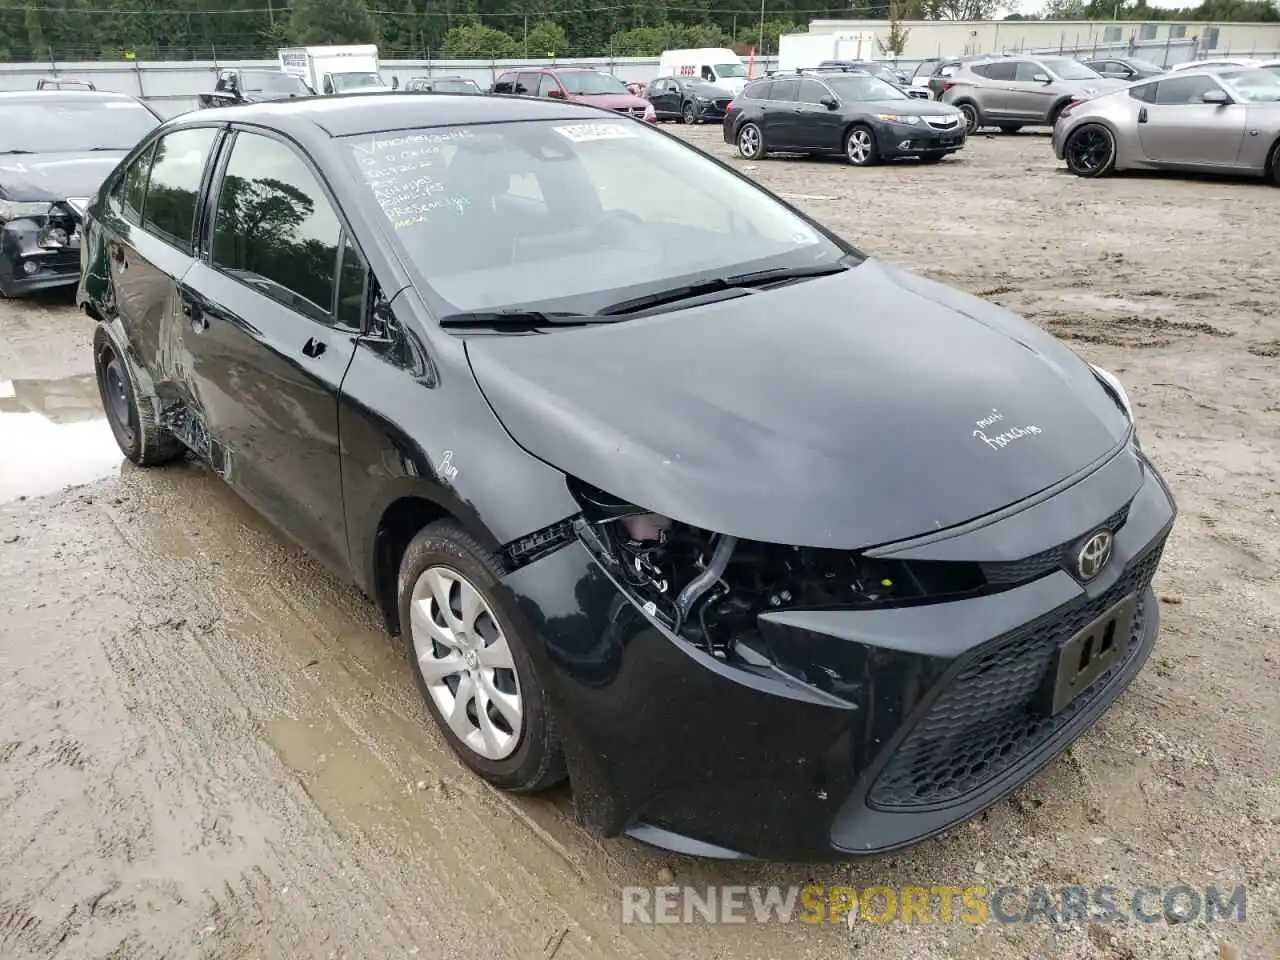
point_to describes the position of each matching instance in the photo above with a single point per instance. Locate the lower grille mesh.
(985, 721)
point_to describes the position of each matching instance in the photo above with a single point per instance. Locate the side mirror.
(395, 83)
(904, 79)
(556, 93)
(830, 103)
(1216, 96)
(1042, 78)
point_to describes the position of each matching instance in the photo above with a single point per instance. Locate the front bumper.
(710, 111)
(1059, 140)
(916, 140)
(907, 721)
(26, 267)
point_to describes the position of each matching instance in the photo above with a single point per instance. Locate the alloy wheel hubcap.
(1089, 150)
(466, 663)
(749, 141)
(859, 146)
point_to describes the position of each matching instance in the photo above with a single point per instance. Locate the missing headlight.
(710, 588)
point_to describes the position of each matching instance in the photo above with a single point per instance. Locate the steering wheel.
(615, 228)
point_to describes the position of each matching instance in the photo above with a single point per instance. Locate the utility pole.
(760, 51)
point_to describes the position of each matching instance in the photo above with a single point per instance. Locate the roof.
(345, 115)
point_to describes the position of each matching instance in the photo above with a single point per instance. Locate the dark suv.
(577, 85)
(856, 114)
(688, 99)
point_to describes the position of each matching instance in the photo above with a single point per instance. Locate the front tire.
(688, 114)
(860, 146)
(1273, 165)
(472, 668)
(133, 424)
(750, 142)
(1090, 151)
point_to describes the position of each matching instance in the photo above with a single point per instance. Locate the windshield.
(589, 83)
(273, 83)
(355, 81)
(67, 127)
(1252, 86)
(854, 87)
(1068, 69)
(571, 215)
(730, 70)
(455, 86)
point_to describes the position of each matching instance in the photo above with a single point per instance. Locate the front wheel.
(471, 665)
(1273, 165)
(751, 142)
(689, 115)
(860, 146)
(1090, 151)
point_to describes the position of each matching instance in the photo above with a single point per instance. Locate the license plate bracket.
(1089, 654)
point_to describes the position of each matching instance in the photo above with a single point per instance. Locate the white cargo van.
(804, 51)
(719, 65)
(335, 69)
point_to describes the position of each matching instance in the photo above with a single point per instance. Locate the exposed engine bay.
(709, 588)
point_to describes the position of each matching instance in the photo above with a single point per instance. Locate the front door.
(1179, 128)
(1029, 98)
(273, 328)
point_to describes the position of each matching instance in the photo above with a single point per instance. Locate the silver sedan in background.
(1221, 120)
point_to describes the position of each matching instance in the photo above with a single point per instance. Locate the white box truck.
(717, 65)
(804, 51)
(335, 69)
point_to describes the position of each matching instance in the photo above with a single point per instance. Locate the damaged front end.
(710, 589)
(39, 245)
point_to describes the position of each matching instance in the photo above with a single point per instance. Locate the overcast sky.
(1035, 6)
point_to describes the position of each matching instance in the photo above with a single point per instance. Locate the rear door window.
(527, 84)
(173, 189)
(785, 90)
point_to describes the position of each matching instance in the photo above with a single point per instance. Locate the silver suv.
(1014, 92)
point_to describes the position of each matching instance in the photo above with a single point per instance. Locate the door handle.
(1142, 115)
(313, 348)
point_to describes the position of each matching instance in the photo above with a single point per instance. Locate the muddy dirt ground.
(208, 748)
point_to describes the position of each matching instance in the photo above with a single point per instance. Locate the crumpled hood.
(845, 412)
(56, 176)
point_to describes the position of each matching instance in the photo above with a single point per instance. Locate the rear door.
(274, 317)
(1180, 128)
(996, 99)
(778, 117)
(148, 235)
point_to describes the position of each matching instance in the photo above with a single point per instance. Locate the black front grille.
(987, 719)
(1009, 572)
(723, 104)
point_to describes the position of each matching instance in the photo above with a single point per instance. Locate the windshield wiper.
(740, 281)
(516, 319)
(10, 153)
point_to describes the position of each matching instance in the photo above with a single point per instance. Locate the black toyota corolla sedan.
(773, 549)
(56, 146)
(830, 112)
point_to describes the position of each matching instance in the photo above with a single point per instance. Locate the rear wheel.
(133, 423)
(1010, 128)
(1090, 151)
(1273, 165)
(860, 146)
(751, 142)
(971, 118)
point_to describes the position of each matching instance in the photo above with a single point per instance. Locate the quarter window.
(133, 187)
(352, 275)
(1184, 90)
(173, 190)
(275, 229)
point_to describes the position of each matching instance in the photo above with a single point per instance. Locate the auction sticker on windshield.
(581, 132)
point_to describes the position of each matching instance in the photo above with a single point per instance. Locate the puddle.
(53, 435)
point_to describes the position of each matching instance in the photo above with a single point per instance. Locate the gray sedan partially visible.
(1221, 120)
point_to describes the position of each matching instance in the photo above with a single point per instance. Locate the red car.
(578, 84)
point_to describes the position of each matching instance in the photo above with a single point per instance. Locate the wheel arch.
(144, 384)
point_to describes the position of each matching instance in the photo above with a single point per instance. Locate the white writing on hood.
(1001, 440)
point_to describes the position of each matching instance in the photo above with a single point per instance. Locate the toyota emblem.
(1095, 553)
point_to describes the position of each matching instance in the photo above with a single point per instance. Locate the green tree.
(475, 41)
(546, 38)
(332, 21)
